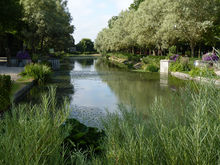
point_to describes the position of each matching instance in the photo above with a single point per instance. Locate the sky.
(91, 16)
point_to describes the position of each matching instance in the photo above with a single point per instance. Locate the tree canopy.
(85, 45)
(48, 23)
(160, 24)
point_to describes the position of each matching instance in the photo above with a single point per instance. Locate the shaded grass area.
(18, 85)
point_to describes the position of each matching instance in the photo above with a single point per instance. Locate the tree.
(112, 21)
(135, 5)
(48, 24)
(10, 15)
(85, 45)
(194, 18)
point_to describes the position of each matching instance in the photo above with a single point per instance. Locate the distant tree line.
(153, 26)
(37, 24)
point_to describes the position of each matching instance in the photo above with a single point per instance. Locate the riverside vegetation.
(187, 134)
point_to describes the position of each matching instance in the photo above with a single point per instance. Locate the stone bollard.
(164, 66)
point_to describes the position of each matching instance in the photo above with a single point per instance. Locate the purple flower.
(174, 57)
(23, 55)
(210, 57)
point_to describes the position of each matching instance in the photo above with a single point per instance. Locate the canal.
(94, 88)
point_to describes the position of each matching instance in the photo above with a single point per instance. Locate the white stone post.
(164, 66)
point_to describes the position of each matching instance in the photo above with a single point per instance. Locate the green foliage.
(158, 24)
(85, 45)
(48, 24)
(32, 134)
(181, 65)
(39, 72)
(35, 57)
(112, 21)
(202, 72)
(5, 91)
(187, 134)
(172, 50)
(152, 68)
(134, 58)
(10, 15)
(135, 5)
(152, 59)
(83, 138)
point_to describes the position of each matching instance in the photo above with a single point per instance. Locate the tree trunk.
(41, 44)
(132, 50)
(8, 54)
(192, 46)
(154, 54)
(199, 51)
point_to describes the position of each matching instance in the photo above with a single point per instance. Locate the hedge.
(5, 89)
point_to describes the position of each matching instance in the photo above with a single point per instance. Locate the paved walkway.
(12, 71)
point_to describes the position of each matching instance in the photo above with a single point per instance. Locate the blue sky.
(90, 16)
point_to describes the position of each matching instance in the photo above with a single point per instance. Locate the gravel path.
(12, 71)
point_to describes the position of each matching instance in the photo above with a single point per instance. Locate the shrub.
(202, 72)
(210, 57)
(39, 72)
(152, 59)
(35, 57)
(172, 50)
(175, 57)
(152, 68)
(5, 90)
(182, 64)
(84, 138)
(134, 58)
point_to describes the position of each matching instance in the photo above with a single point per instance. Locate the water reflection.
(99, 87)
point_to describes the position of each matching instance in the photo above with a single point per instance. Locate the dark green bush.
(5, 90)
(82, 137)
(134, 58)
(152, 68)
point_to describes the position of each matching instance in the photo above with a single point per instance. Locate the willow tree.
(193, 19)
(148, 20)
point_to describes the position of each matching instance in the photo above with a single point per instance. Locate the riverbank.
(186, 76)
(139, 63)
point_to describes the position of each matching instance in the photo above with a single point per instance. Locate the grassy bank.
(135, 62)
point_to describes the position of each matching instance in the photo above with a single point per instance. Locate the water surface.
(94, 88)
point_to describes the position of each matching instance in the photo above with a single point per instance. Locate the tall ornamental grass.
(32, 134)
(185, 132)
